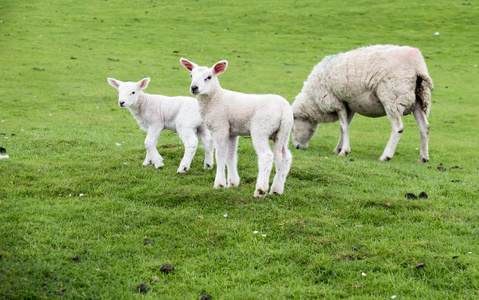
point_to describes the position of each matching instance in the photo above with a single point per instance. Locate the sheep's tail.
(424, 86)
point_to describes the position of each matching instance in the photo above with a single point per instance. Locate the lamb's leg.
(207, 143)
(396, 132)
(344, 122)
(345, 118)
(221, 145)
(282, 159)
(152, 155)
(190, 142)
(265, 164)
(232, 161)
(423, 126)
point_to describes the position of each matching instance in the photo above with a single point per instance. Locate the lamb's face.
(201, 79)
(128, 94)
(303, 131)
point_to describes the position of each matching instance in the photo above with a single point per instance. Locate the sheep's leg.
(221, 145)
(265, 164)
(207, 143)
(190, 143)
(152, 155)
(397, 129)
(339, 146)
(282, 160)
(345, 118)
(423, 126)
(347, 121)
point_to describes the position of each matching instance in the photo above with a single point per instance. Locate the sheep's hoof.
(208, 167)
(146, 163)
(423, 160)
(219, 186)
(387, 158)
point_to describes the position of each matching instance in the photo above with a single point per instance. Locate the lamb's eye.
(132, 93)
(208, 78)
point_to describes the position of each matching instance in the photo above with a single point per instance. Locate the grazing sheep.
(156, 112)
(372, 81)
(231, 114)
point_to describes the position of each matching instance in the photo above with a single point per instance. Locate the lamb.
(372, 81)
(154, 113)
(231, 114)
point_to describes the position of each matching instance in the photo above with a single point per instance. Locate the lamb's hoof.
(386, 158)
(182, 170)
(337, 151)
(219, 186)
(208, 166)
(344, 153)
(159, 166)
(275, 192)
(233, 183)
(146, 163)
(259, 193)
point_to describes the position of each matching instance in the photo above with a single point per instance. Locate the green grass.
(75, 208)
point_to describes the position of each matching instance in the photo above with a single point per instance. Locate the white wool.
(231, 114)
(372, 81)
(154, 113)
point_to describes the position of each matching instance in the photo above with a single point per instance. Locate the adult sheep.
(372, 81)
(154, 113)
(231, 114)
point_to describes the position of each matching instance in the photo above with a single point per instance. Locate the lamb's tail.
(282, 136)
(424, 86)
(282, 155)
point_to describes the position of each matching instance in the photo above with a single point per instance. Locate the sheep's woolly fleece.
(373, 81)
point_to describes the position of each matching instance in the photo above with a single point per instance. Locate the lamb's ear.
(188, 64)
(143, 84)
(114, 83)
(220, 67)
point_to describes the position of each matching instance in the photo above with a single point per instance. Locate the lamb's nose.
(122, 103)
(194, 90)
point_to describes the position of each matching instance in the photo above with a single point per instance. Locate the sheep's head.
(303, 130)
(128, 92)
(202, 78)
(303, 127)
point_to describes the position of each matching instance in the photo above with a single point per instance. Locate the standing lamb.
(231, 114)
(372, 81)
(156, 112)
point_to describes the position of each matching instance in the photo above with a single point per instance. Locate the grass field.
(80, 218)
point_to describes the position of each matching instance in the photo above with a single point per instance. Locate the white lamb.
(156, 112)
(372, 81)
(231, 114)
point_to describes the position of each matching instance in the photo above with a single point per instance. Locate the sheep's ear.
(114, 83)
(188, 64)
(143, 84)
(220, 67)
